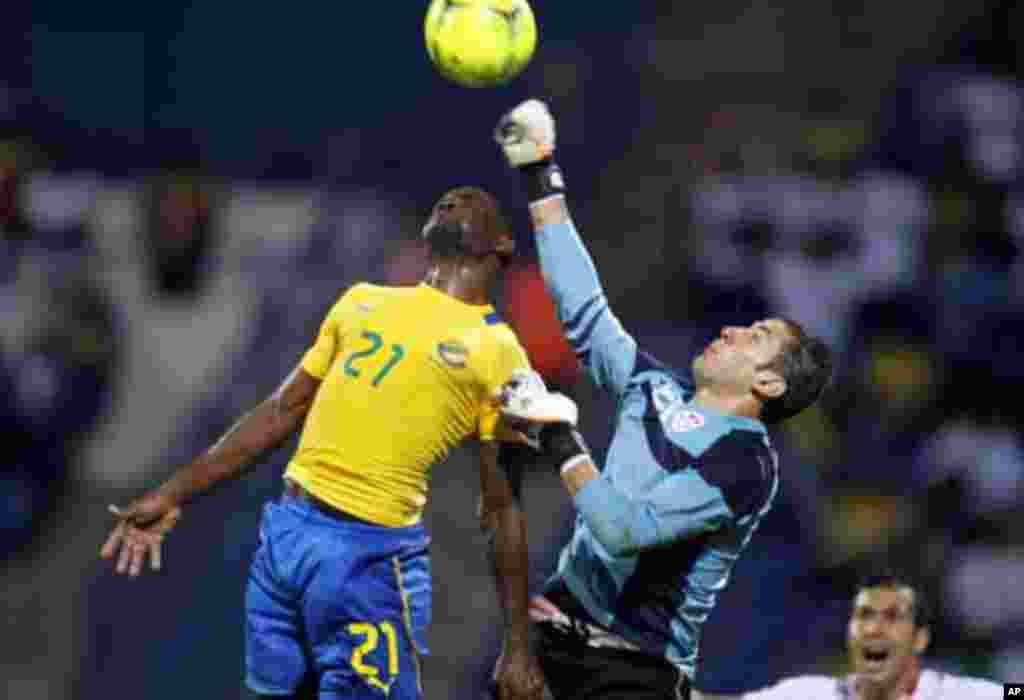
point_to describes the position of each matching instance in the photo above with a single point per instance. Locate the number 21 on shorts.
(371, 634)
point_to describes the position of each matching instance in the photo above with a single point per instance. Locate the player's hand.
(139, 533)
(526, 134)
(518, 676)
(525, 399)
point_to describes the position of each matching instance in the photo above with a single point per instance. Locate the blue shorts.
(340, 602)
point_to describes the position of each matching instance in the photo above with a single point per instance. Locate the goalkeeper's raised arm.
(527, 137)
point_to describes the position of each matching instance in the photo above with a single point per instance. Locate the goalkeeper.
(690, 470)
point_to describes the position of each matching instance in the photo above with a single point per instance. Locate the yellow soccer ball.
(480, 43)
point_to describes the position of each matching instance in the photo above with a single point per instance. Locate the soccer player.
(689, 474)
(339, 596)
(888, 632)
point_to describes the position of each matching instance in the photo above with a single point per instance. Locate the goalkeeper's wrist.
(563, 443)
(542, 179)
(572, 462)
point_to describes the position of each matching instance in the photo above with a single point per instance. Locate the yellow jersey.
(407, 373)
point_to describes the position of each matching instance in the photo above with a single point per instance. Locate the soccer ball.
(480, 43)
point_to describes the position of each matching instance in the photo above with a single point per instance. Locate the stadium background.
(184, 188)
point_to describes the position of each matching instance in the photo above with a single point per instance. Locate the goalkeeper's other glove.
(527, 136)
(562, 443)
(550, 417)
(526, 399)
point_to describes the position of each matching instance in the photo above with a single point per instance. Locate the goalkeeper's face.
(883, 639)
(743, 359)
(467, 221)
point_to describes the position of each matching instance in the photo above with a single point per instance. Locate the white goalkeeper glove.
(526, 134)
(525, 398)
(547, 419)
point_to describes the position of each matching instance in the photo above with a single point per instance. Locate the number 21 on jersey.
(357, 360)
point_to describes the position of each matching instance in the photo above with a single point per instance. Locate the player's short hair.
(805, 362)
(495, 227)
(891, 578)
(498, 224)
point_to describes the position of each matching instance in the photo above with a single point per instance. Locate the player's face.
(882, 639)
(738, 356)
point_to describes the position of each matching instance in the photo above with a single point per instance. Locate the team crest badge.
(666, 397)
(452, 353)
(687, 420)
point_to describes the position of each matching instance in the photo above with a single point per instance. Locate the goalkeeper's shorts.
(336, 603)
(584, 662)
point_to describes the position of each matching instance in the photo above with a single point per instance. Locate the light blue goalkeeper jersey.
(682, 490)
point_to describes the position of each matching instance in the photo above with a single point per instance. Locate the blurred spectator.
(15, 229)
(890, 397)
(983, 454)
(179, 238)
(60, 342)
(984, 596)
(61, 375)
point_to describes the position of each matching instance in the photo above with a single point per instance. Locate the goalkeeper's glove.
(527, 136)
(526, 399)
(550, 417)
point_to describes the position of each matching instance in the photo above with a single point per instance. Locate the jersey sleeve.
(594, 332)
(508, 356)
(726, 483)
(681, 507)
(329, 339)
(973, 689)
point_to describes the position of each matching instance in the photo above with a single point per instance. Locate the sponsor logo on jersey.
(452, 353)
(687, 420)
(675, 417)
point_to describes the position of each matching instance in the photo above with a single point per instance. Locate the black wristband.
(562, 442)
(542, 179)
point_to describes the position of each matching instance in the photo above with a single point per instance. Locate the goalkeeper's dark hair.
(924, 614)
(805, 362)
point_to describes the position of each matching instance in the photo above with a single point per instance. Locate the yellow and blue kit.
(407, 373)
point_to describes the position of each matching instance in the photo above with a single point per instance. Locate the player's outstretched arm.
(517, 675)
(143, 523)
(527, 137)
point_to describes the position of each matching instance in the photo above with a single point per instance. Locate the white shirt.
(933, 685)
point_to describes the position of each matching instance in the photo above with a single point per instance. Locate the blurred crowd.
(143, 312)
(60, 350)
